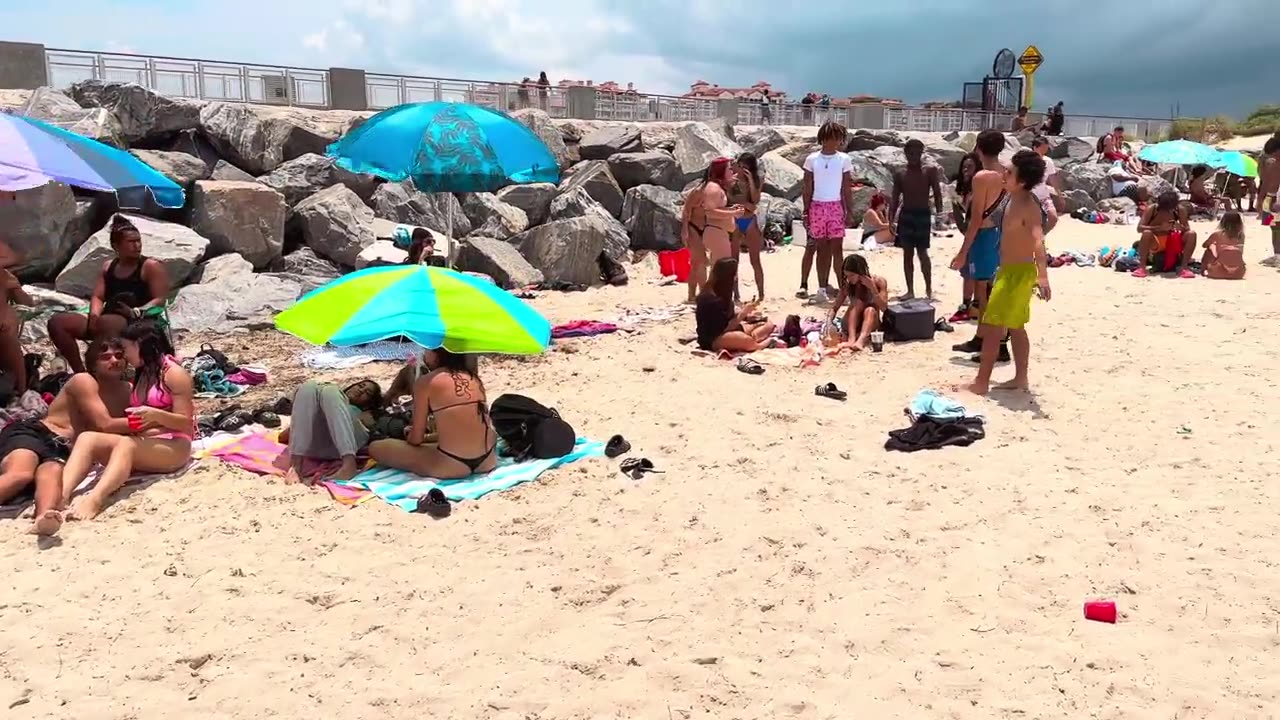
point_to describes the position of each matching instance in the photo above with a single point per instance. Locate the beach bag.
(909, 320)
(218, 358)
(531, 429)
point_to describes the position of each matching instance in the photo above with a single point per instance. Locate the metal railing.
(309, 87)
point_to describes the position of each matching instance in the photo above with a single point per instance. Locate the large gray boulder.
(595, 177)
(565, 250)
(57, 109)
(304, 267)
(893, 158)
(645, 168)
(577, 203)
(780, 212)
(540, 123)
(404, 203)
(946, 155)
(697, 145)
(1078, 200)
(602, 143)
(258, 138)
(798, 150)
(310, 173)
(46, 304)
(1155, 186)
(220, 268)
(1089, 177)
(39, 225)
(868, 168)
(534, 199)
(499, 260)
(761, 140)
(177, 247)
(1070, 148)
(246, 218)
(223, 170)
(871, 139)
(231, 296)
(179, 167)
(780, 176)
(652, 214)
(336, 224)
(143, 114)
(491, 217)
(1117, 206)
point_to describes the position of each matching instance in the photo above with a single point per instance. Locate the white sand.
(785, 565)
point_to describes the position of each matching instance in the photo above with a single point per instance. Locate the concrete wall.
(22, 66)
(347, 89)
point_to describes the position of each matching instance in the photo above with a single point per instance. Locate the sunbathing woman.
(867, 295)
(330, 424)
(719, 327)
(451, 391)
(875, 224)
(162, 425)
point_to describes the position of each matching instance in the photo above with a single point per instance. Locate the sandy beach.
(783, 565)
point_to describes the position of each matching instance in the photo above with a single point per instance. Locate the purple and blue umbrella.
(33, 153)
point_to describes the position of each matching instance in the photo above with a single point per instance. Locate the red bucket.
(675, 262)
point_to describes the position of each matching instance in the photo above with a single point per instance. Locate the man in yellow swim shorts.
(1023, 271)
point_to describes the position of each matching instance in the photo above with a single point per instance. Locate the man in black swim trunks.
(915, 224)
(33, 451)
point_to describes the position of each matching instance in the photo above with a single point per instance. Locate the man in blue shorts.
(980, 253)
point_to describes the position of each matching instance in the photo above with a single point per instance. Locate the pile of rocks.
(268, 216)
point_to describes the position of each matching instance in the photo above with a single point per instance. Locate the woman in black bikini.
(451, 391)
(130, 284)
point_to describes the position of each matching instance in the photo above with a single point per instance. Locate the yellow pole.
(1029, 88)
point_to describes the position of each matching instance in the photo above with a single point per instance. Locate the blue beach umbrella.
(33, 153)
(447, 147)
(1179, 152)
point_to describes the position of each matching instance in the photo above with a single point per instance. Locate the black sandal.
(435, 504)
(750, 367)
(637, 467)
(616, 446)
(266, 417)
(830, 391)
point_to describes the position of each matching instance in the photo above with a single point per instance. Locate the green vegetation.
(1262, 121)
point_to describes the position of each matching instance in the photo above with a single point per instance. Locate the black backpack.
(531, 429)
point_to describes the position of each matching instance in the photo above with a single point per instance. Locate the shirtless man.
(911, 194)
(1269, 195)
(1157, 227)
(11, 359)
(34, 450)
(979, 256)
(1023, 271)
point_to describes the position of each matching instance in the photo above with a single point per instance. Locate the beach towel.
(261, 454)
(633, 318)
(19, 506)
(582, 328)
(402, 488)
(931, 403)
(329, 357)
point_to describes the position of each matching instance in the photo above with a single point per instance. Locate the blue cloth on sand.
(936, 405)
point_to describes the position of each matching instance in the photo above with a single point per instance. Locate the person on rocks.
(1125, 184)
(34, 451)
(874, 223)
(910, 205)
(1166, 230)
(721, 216)
(1055, 120)
(720, 328)
(11, 358)
(1020, 120)
(980, 252)
(745, 193)
(828, 198)
(161, 425)
(130, 284)
(867, 296)
(1023, 271)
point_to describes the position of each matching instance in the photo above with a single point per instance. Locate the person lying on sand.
(719, 327)
(329, 423)
(867, 295)
(161, 425)
(450, 390)
(34, 451)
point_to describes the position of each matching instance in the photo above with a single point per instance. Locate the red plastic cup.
(1100, 610)
(135, 423)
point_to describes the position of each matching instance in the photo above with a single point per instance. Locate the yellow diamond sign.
(1030, 59)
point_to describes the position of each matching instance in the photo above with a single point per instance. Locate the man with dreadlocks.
(828, 199)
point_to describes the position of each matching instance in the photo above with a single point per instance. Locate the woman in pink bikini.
(161, 425)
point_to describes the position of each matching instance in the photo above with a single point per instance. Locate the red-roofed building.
(710, 91)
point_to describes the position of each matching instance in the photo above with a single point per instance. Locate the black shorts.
(915, 228)
(33, 435)
(1129, 191)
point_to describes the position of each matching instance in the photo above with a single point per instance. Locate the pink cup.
(1100, 610)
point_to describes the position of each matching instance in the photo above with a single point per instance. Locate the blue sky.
(1101, 58)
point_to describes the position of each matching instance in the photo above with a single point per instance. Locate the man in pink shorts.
(828, 185)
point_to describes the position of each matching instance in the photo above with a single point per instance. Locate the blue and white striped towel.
(330, 357)
(402, 488)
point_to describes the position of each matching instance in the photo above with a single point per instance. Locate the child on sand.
(867, 295)
(1023, 270)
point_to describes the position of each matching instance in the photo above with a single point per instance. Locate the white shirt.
(1050, 167)
(828, 174)
(1117, 172)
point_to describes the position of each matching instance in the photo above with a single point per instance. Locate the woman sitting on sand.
(452, 392)
(1224, 250)
(329, 423)
(719, 327)
(875, 224)
(162, 424)
(867, 295)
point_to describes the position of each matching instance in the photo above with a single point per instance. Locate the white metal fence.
(307, 87)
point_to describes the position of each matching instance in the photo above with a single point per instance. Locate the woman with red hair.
(721, 217)
(875, 224)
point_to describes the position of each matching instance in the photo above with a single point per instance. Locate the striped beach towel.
(402, 489)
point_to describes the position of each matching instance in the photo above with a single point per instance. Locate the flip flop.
(282, 406)
(266, 417)
(750, 367)
(943, 326)
(435, 504)
(637, 467)
(616, 446)
(830, 391)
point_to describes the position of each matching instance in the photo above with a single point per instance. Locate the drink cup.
(135, 423)
(1100, 610)
(877, 341)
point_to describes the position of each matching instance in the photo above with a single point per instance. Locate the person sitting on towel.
(33, 451)
(867, 295)
(1167, 241)
(719, 327)
(449, 389)
(1224, 250)
(329, 423)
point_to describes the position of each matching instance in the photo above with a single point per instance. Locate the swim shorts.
(826, 220)
(1010, 303)
(915, 228)
(34, 436)
(984, 254)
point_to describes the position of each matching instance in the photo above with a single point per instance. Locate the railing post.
(346, 89)
(200, 81)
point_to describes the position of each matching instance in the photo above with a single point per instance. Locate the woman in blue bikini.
(745, 191)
